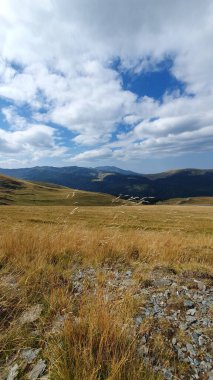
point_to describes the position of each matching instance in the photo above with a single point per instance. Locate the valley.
(166, 185)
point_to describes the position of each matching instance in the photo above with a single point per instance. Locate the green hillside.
(14, 191)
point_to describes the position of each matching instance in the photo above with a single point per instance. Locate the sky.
(127, 83)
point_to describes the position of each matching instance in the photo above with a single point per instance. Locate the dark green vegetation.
(20, 192)
(173, 184)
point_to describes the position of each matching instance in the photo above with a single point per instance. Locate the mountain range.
(115, 181)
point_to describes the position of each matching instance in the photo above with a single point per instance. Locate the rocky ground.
(172, 322)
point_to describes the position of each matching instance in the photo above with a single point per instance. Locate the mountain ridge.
(178, 183)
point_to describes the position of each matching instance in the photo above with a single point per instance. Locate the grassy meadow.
(19, 192)
(44, 254)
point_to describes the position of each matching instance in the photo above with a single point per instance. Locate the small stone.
(191, 312)
(32, 314)
(167, 374)
(208, 357)
(180, 354)
(196, 362)
(143, 351)
(195, 337)
(128, 273)
(163, 282)
(190, 349)
(174, 341)
(206, 322)
(37, 370)
(13, 372)
(191, 361)
(138, 320)
(157, 368)
(30, 355)
(203, 364)
(201, 341)
(183, 326)
(77, 287)
(201, 286)
(167, 293)
(143, 339)
(191, 319)
(189, 304)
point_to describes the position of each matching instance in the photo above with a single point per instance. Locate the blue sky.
(117, 82)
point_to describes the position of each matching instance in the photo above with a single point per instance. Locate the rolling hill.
(21, 192)
(173, 184)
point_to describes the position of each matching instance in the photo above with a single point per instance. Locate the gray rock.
(206, 322)
(190, 361)
(143, 339)
(174, 341)
(77, 287)
(167, 293)
(201, 286)
(191, 319)
(180, 353)
(30, 355)
(138, 320)
(189, 304)
(208, 357)
(32, 314)
(37, 370)
(203, 364)
(191, 312)
(13, 372)
(163, 282)
(143, 351)
(201, 341)
(167, 374)
(196, 362)
(195, 336)
(183, 326)
(190, 349)
(9, 281)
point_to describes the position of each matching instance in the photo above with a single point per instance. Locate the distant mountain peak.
(115, 169)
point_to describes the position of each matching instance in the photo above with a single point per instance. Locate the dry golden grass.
(19, 192)
(41, 248)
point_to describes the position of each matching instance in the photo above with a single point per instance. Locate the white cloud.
(91, 154)
(14, 120)
(28, 145)
(57, 55)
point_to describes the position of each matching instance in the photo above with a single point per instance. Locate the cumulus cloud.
(91, 154)
(57, 62)
(28, 145)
